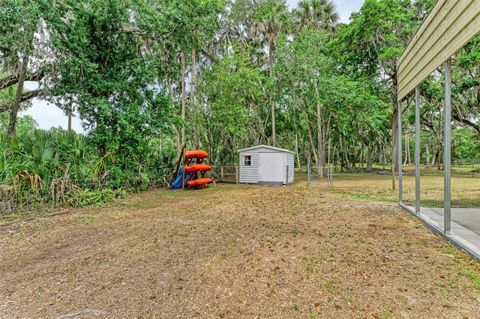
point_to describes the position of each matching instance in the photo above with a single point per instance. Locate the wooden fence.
(225, 173)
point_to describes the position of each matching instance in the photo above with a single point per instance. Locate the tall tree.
(371, 44)
(107, 65)
(195, 24)
(19, 22)
(347, 114)
(233, 89)
(271, 19)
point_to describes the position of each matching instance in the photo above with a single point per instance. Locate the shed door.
(271, 167)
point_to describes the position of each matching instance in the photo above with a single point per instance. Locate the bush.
(66, 169)
(87, 197)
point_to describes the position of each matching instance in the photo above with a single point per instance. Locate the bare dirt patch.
(234, 252)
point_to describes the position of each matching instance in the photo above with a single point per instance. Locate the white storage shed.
(266, 164)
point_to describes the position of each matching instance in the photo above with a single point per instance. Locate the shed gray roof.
(267, 146)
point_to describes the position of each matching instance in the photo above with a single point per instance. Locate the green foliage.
(317, 14)
(87, 197)
(195, 21)
(18, 21)
(68, 165)
(466, 145)
(129, 68)
(376, 37)
(353, 110)
(234, 88)
(116, 99)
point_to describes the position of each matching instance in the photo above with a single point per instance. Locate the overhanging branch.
(25, 97)
(13, 79)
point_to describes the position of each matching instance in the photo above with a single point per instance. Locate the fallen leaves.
(234, 251)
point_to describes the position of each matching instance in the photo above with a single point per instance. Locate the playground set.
(191, 170)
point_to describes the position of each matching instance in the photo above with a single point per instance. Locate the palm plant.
(317, 14)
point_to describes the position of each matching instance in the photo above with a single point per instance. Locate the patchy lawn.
(235, 252)
(465, 189)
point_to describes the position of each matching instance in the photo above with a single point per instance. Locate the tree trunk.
(170, 88)
(192, 93)
(178, 141)
(326, 133)
(341, 159)
(345, 154)
(326, 141)
(312, 144)
(409, 156)
(320, 147)
(69, 115)
(438, 158)
(396, 113)
(194, 73)
(183, 96)
(320, 141)
(369, 159)
(427, 153)
(297, 151)
(384, 157)
(329, 152)
(272, 102)
(12, 125)
(334, 152)
(407, 153)
(69, 121)
(362, 155)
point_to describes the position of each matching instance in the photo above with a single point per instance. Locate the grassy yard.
(237, 251)
(465, 189)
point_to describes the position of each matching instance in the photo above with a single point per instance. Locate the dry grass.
(235, 252)
(465, 190)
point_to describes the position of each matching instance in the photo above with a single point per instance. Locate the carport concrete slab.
(465, 224)
(466, 217)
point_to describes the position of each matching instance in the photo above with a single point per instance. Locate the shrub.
(66, 169)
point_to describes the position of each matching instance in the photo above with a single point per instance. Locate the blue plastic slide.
(177, 183)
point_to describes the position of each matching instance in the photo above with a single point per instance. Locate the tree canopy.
(147, 76)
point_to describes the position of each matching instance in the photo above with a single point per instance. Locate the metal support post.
(417, 149)
(399, 148)
(447, 155)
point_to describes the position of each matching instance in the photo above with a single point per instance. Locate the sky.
(344, 7)
(48, 115)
